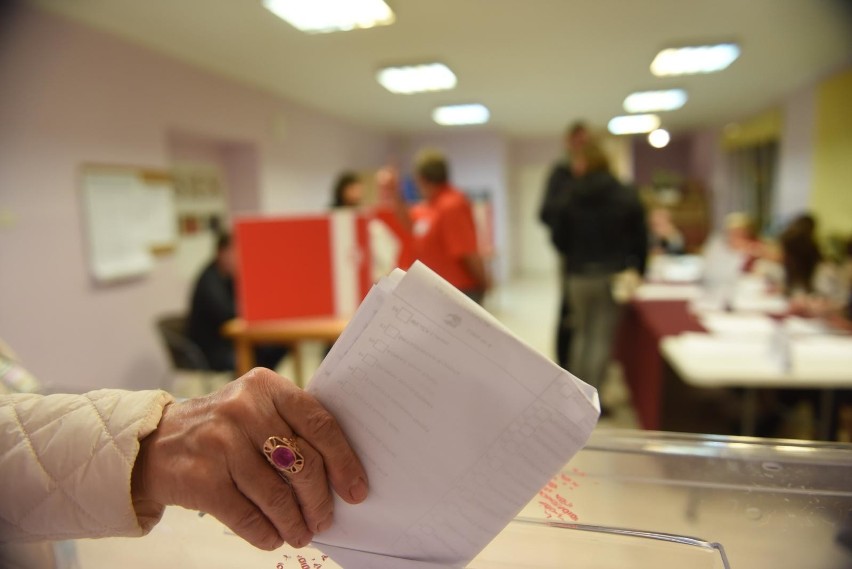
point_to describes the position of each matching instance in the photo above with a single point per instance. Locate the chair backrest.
(183, 352)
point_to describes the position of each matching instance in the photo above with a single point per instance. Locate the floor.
(527, 306)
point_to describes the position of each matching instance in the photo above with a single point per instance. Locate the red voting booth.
(302, 266)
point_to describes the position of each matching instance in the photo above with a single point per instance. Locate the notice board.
(129, 217)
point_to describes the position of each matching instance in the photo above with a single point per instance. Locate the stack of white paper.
(823, 357)
(664, 291)
(457, 422)
(738, 324)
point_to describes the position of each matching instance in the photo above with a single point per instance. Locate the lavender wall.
(71, 95)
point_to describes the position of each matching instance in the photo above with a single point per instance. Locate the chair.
(183, 352)
(193, 375)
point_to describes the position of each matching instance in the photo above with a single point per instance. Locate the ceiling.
(537, 64)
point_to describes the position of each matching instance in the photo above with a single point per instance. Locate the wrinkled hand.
(206, 455)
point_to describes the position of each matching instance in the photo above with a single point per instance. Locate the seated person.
(831, 299)
(741, 236)
(665, 237)
(800, 255)
(213, 303)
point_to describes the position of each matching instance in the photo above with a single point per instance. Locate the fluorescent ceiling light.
(318, 16)
(651, 101)
(633, 124)
(461, 114)
(694, 59)
(659, 138)
(417, 78)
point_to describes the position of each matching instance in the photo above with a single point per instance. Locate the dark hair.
(223, 241)
(804, 223)
(801, 253)
(576, 127)
(345, 180)
(432, 167)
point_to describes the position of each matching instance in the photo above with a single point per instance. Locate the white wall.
(531, 161)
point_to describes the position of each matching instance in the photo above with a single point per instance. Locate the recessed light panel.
(417, 78)
(694, 59)
(633, 124)
(320, 16)
(653, 101)
(461, 114)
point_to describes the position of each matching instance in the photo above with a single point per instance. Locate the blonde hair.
(593, 157)
(739, 220)
(431, 165)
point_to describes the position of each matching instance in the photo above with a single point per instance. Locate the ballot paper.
(458, 424)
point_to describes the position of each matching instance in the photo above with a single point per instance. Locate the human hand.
(206, 455)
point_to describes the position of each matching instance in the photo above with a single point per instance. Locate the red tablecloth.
(643, 325)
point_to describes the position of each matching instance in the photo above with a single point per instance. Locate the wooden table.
(290, 333)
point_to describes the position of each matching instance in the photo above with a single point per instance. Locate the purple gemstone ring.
(283, 453)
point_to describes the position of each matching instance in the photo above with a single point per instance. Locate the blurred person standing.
(442, 228)
(600, 229)
(559, 181)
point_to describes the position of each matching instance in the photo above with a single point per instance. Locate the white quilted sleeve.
(66, 463)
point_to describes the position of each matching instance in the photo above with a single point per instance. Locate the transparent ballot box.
(556, 545)
(766, 503)
(629, 499)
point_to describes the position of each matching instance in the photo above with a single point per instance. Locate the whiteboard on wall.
(130, 215)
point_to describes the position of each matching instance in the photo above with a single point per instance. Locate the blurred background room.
(134, 134)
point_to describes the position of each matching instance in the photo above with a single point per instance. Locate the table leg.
(826, 408)
(749, 413)
(244, 355)
(296, 354)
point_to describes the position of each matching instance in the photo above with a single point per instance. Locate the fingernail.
(358, 491)
(303, 540)
(324, 525)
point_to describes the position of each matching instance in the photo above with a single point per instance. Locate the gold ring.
(283, 454)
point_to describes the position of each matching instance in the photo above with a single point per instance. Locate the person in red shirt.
(442, 230)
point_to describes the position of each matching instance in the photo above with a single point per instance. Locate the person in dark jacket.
(214, 303)
(601, 231)
(558, 184)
